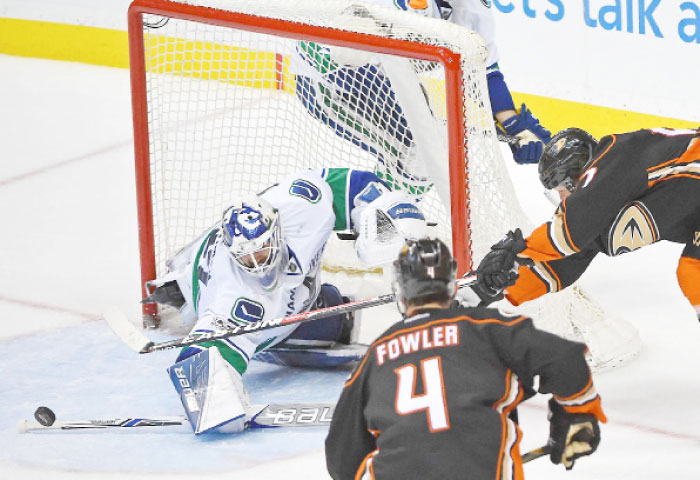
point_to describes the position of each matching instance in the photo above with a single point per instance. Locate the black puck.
(45, 416)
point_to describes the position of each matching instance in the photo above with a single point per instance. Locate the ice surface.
(68, 243)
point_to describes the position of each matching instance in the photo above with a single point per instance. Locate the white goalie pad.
(212, 392)
(384, 225)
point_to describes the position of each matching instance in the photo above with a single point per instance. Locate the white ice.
(68, 244)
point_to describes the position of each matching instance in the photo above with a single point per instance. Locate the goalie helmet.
(424, 272)
(565, 157)
(252, 234)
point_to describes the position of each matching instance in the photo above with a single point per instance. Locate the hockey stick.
(138, 342)
(536, 453)
(259, 416)
(509, 139)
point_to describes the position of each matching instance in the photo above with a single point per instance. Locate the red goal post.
(230, 95)
(450, 60)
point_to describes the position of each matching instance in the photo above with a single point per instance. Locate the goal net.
(231, 95)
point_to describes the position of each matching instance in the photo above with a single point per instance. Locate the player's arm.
(349, 441)
(541, 278)
(520, 123)
(560, 364)
(575, 406)
(688, 273)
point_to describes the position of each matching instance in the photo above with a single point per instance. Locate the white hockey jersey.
(223, 294)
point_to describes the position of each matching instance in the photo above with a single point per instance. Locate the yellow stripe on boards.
(57, 41)
(557, 115)
(107, 47)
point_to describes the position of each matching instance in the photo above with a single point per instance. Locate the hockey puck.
(45, 416)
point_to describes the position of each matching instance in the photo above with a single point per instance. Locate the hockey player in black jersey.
(432, 397)
(626, 192)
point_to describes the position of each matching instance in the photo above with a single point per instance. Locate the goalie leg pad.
(211, 391)
(321, 343)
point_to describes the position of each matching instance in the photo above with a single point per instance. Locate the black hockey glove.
(571, 435)
(498, 269)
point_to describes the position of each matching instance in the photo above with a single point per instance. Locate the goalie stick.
(137, 341)
(259, 416)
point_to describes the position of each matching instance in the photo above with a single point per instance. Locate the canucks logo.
(306, 190)
(246, 311)
(487, 3)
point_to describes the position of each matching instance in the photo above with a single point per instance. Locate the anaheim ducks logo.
(633, 228)
(696, 240)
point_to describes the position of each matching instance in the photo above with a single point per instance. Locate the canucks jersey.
(641, 187)
(311, 204)
(433, 395)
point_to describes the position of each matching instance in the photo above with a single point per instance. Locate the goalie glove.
(531, 135)
(498, 269)
(571, 435)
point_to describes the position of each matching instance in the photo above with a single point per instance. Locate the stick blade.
(125, 330)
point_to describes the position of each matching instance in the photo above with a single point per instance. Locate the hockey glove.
(571, 435)
(476, 294)
(498, 269)
(531, 135)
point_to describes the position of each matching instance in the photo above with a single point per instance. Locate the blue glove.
(531, 135)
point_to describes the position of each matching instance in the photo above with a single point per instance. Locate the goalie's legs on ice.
(321, 343)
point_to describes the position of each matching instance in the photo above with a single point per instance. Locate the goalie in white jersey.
(263, 262)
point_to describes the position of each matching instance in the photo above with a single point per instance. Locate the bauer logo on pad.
(405, 210)
(246, 311)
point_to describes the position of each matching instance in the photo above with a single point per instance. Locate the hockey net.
(231, 95)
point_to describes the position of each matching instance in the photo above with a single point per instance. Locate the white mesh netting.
(231, 110)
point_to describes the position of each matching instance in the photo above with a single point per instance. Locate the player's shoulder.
(486, 315)
(468, 315)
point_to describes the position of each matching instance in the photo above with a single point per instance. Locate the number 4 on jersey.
(433, 398)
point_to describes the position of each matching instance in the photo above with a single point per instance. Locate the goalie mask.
(253, 236)
(564, 158)
(425, 272)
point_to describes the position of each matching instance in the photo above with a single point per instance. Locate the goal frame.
(457, 141)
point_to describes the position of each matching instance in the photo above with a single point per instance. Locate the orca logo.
(487, 3)
(405, 210)
(306, 190)
(633, 228)
(246, 311)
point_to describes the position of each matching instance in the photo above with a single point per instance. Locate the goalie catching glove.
(571, 435)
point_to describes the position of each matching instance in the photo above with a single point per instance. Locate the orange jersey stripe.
(509, 444)
(539, 246)
(688, 274)
(614, 140)
(594, 407)
(528, 286)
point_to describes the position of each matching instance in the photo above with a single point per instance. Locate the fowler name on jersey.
(423, 339)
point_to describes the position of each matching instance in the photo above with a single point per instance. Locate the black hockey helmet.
(565, 157)
(424, 272)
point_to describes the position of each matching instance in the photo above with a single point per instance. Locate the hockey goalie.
(263, 262)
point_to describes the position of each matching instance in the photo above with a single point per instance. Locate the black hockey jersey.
(432, 396)
(641, 187)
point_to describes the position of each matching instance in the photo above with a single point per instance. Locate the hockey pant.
(320, 343)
